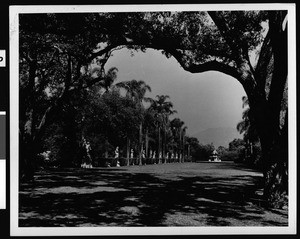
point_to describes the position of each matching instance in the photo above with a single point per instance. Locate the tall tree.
(53, 56)
(248, 128)
(109, 119)
(104, 79)
(163, 109)
(179, 129)
(150, 127)
(136, 90)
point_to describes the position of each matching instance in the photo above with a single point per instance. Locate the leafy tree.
(136, 90)
(236, 143)
(150, 127)
(198, 151)
(247, 125)
(251, 139)
(238, 146)
(110, 119)
(163, 109)
(205, 151)
(222, 151)
(55, 53)
(193, 144)
(179, 133)
(104, 80)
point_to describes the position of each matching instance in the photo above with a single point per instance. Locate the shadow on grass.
(118, 197)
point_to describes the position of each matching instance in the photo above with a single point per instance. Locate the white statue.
(117, 152)
(131, 153)
(154, 154)
(117, 155)
(87, 149)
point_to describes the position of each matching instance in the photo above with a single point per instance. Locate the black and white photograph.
(152, 119)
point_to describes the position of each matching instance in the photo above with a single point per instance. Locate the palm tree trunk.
(127, 151)
(140, 143)
(147, 143)
(159, 143)
(180, 145)
(164, 145)
(183, 146)
(183, 149)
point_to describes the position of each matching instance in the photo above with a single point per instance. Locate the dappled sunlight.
(151, 195)
(82, 190)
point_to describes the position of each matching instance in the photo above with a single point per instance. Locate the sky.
(202, 100)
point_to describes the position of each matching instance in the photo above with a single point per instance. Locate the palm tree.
(247, 126)
(163, 110)
(178, 132)
(105, 80)
(183, 139)
(149, 124)
(136, 90)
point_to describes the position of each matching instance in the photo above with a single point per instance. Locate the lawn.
(178, 194)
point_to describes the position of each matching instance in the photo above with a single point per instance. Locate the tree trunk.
(30, 140)
(164, 146)
(27, 160)
(32, 132)
(274, 144)
(272, 132)
(183, 149)
(127, 151)
(147, 144)
(140, 143)
(276, 177)
(180, 147)
(275, 167)
(159, 145)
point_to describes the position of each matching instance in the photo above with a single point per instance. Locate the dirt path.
(189, 194)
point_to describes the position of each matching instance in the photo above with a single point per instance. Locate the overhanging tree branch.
(213, 65)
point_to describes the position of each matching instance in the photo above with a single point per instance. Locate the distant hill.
(221, 136)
